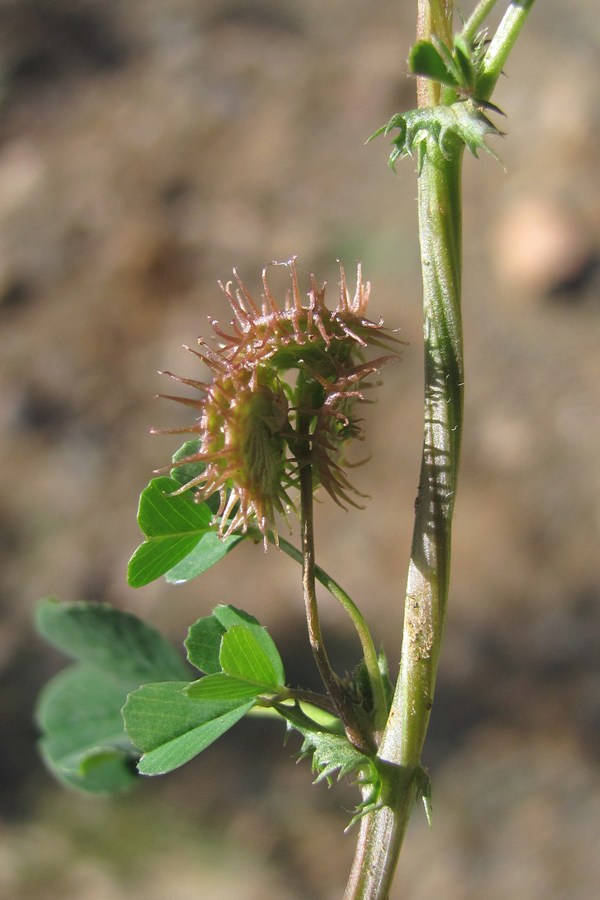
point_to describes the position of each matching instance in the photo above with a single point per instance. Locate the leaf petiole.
(477, 18)
(380, 705)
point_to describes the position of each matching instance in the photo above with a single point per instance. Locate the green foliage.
(460, 116)
(173, 526)
(424, 59)
(248, 652)
(209, 550)
(187, 471)
(79, 711)
(245, 661)
(221, 686)
(84, 744)
(171, 728)
(118, 659)
(454, 67)
(173, 722)
(114, 642)
(203, 643)
(181, 534)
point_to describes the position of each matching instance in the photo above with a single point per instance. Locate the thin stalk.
(473, 24)
(501, 45)
(362, 630)
(341, 701)
(320, 701)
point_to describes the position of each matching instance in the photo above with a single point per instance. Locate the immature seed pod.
(285, 380)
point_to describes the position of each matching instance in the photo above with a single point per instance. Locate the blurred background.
(148, 147)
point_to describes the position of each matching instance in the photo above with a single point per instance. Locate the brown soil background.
(145, 149)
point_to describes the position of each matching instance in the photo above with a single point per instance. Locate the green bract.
(434, 130)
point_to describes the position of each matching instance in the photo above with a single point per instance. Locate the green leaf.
(229, 616)
(173, 526)
(222, 687)
(203, 644)
(425, 60)
(118, 644)
(162, 515)
(208, 551)
(188, 471)
(171, 728)
(462, 54)
(84, 743)
(249, 653)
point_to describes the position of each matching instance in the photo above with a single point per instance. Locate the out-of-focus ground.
(145, 149)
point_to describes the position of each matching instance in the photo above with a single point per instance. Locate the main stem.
(439, 205)
(382, 832)
(439, 202)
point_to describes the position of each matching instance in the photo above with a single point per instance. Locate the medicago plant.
(269, 426)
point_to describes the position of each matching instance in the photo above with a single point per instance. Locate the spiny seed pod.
(284, 384)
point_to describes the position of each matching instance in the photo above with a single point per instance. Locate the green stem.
(434, 17)
(341, 701)
(439, 204)
(320, 701)
(427, 589)
(501, 45)
(476, 19)
(368, 647)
